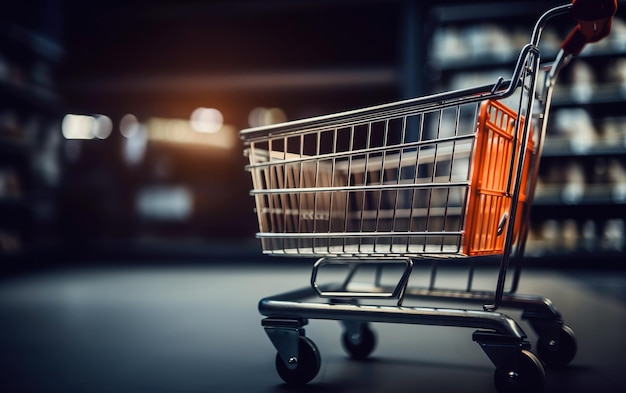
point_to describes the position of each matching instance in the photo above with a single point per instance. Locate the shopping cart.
(442, 179)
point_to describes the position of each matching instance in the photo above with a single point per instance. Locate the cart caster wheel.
(359, 346)
(563, 354)
(529, 377)
(308, 364)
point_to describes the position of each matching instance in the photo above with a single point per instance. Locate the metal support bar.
(533, 305)
(396, 292)
(292, 304)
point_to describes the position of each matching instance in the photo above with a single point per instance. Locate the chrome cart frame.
(405, 183)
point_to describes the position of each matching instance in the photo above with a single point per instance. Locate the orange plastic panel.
(489, 199)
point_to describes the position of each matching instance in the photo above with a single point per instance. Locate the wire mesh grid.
(388, 185)
(401, 179)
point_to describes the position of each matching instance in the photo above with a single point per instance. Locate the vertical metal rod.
(404, 281)
(332, 186)
(416, 176)
(315, 184)
(445, 218)
(378, 276)
(433, 274)
(365, 179)
(428, 210)
(433, 175)
(280, 198)
(349, 177)
(470, 276)
(399, 176)
(290, 181)
(551, 77)
(270, 198)
(517, 123)
(301, 185)
(295, 218)
(529, 71)
(466, 190)
(541, 22)
(381, 180)
(257, 184)
(449, 189)
(284, 197)
(354, 267)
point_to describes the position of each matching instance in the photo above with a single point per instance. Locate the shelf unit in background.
(580, 203)
(30, 139)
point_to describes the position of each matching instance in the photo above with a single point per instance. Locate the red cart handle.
(594, 19)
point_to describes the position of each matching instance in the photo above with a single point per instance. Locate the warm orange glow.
(181, 131)
(260, 116)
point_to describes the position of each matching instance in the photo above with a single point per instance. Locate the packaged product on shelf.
(574, 188)
(576, 126)
(617, 39)
(490, 40)
(583, 81)
(600, 171)
(617, 73)
(448, 45)
(614, 131)
(613, 235)
(550, 41)
(617, 177)
(588, 235)
(569, 233)
(550, 233)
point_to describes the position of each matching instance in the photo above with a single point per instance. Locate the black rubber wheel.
(308, 364)
(559, 356)
(529, 377)
(361, 347)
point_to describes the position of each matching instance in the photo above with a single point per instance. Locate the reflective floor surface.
(196, 328)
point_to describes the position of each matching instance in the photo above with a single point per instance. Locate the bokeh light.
(86, 126)
(129, 125)
(78, 126)
(206, 120)
(261, 116)
(135, 144)
(103, 126)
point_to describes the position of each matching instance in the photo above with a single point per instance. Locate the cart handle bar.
(594, 19)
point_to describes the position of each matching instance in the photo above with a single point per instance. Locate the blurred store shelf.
(149, 184)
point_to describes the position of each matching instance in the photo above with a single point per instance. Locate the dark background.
(163, 59)
(97, 296)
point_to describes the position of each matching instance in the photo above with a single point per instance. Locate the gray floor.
(197, 329)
